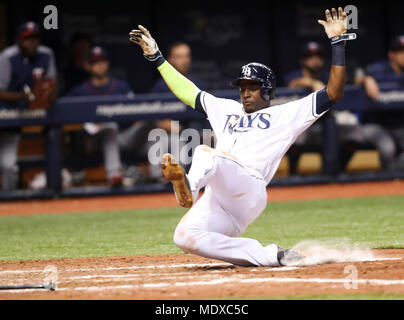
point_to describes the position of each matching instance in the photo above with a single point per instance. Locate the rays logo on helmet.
(258, 72)
(246, 71)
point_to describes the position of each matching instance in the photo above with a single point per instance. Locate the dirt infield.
(191, 277)
(186, 276)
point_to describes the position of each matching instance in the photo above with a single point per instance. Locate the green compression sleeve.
(184, 89)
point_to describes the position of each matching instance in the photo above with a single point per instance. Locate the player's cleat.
(287, 257)
(176, 175)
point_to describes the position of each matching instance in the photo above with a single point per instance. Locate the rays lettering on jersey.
(236, 123)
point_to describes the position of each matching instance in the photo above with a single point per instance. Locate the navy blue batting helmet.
(261, 73)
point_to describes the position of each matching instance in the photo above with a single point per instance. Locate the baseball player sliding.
(252, 137)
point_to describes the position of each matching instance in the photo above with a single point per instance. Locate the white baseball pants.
(233, 199)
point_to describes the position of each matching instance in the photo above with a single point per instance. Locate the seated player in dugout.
(352, 134)
(21, 66)
(252, 137)
(102, 84)
(311, 75)
(388, 71)
(180, 57)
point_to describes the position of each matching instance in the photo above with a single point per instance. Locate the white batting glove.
(143, 38)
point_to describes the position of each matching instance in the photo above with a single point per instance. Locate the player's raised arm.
(335, 27)
(184, 89)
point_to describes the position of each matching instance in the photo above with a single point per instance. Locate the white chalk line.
(233, 280)
(102, 278)
(140, 275)
(128, 277)
(221, 280)
(179, 284)
(376, 282)
(121, 278)
(382, 259)
(187, 265)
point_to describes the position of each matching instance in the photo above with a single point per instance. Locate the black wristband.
(338, 54)
(159, 61)
(323, 102)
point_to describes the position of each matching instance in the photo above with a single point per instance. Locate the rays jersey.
(260, 139)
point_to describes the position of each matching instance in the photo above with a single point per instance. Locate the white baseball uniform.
(235, 175)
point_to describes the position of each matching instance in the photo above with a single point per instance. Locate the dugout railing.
(78, 110)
